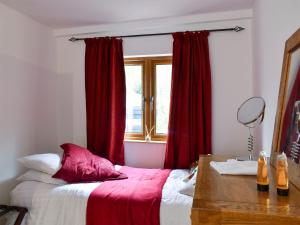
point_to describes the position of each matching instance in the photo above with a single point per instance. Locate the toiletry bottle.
(282, 180)
(262, 179)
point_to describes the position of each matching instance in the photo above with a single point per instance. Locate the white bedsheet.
(66, 205)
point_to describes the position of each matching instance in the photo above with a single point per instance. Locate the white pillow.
(33, 175)
(47, 163)
(189, 187)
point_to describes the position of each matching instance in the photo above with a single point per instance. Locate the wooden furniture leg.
(21, 210)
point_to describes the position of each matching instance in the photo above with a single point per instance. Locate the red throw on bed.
(133, 201)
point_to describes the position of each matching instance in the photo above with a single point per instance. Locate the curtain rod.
(236, 29)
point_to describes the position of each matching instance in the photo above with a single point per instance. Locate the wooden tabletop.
(226, 196)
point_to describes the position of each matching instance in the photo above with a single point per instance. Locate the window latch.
(151, 102)
(143, 102)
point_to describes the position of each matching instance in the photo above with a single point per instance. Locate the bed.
(50, 204)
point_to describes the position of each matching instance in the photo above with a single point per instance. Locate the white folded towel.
(234, 167)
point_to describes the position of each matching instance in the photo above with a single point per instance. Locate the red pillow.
(80, 165)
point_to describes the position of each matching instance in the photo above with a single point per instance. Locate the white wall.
(274, 21)
(27, 93)
(231, 62)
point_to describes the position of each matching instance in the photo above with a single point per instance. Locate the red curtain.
(190, 123)
(105, 97)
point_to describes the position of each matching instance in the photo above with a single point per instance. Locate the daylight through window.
(148, 85)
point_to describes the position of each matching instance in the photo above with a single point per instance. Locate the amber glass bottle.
(282, 179)
(262, 179)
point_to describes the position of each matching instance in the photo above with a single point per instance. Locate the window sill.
(145, 142)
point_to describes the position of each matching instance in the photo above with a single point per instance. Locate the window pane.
(163, 88)
(134, 97)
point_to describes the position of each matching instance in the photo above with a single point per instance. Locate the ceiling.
(72, 13)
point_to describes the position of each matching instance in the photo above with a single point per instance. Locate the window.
(148, 87)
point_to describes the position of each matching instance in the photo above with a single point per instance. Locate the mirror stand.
(250, 157)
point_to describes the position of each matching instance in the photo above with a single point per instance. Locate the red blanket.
(133, 201)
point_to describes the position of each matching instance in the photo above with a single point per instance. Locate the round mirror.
(251, 112)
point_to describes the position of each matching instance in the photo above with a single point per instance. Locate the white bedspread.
(66, 205)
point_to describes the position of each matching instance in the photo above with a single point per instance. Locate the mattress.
(66, 204)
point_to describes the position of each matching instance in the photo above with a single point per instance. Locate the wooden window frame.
(149, 91)
(154, 62)
(138, 136)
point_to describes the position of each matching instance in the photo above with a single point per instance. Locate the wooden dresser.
(234, 200)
